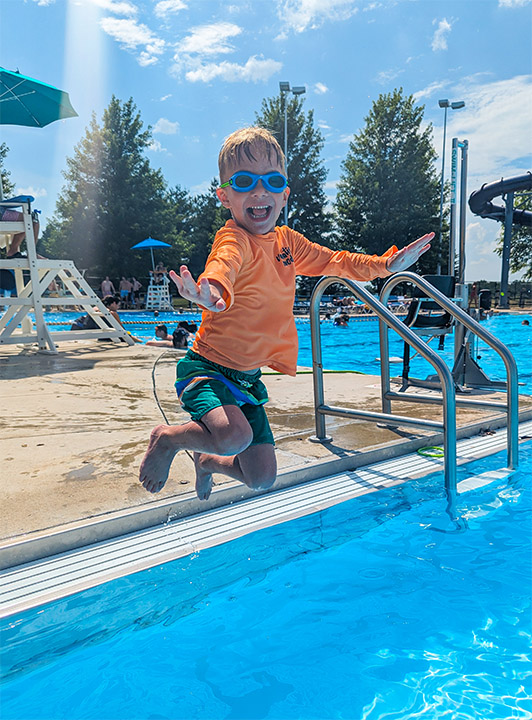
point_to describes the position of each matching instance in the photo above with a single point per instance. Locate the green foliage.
(112, 198)
(306, 172)
(389, 190)
(208, 217)
(7, 185)
(521, 243)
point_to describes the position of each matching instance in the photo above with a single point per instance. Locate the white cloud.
(430, 90)
(132, 36)
(155, 146)
(300, 15)
(44, 3)
(168, 7)
(320, 88)
(439, 40)
(210, 39)
(165, 127)
(120, 7)
(35, 192)
(165, 97)
(514, 3)
(254, 70)
(496, 124)
(386, 76)
(496, 121)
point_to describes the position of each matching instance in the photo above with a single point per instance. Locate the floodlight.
(284, 86)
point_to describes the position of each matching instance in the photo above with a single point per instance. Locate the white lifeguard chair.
(158, 295)
(33, 277)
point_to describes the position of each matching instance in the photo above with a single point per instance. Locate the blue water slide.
(480, 200)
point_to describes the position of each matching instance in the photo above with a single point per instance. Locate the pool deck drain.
(42, 581)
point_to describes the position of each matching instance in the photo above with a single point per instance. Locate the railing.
(447, 398)
(512, 404)
(448, 426)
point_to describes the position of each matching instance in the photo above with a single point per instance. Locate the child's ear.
(286, 193)
(222, 197)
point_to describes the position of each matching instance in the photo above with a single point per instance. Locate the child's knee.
(233, 440)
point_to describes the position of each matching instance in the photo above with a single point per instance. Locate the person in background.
(177, 340)
(125, 291)
(12, 246)
(135, 292)
(107, 287)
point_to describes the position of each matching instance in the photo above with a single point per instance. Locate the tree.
(521, 244)
(306, 172)
(7, 185)
(112, 198)
(389, 189)
(208, 216)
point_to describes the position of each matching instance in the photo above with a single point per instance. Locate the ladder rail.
(512, 386)
(448, 426)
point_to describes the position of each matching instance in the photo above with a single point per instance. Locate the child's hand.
(409, 254)
(205, 293)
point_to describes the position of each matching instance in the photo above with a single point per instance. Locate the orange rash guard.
(258, 274)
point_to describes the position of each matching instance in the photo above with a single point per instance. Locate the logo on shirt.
(285, 256)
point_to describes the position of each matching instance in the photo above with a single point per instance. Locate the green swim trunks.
(202, 385)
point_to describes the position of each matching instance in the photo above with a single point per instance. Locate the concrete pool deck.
(75, 427)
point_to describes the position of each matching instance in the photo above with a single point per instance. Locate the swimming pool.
(356, 347)
(373, 609)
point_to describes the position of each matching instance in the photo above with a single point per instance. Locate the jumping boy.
(247, 291)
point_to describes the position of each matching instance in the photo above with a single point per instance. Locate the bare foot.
(156, 463)
(203, 478)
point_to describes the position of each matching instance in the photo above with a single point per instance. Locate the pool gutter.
(72, 560)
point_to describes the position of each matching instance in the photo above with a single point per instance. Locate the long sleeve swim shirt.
(258, 275)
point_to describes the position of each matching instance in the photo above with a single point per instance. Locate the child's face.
(255, 210)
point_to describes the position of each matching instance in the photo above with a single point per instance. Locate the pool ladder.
(447, 398)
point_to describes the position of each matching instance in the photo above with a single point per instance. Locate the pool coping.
(34, 583)
(52, 541)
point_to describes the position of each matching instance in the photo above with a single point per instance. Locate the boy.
(247, 291)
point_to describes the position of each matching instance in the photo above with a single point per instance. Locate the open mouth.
(259, 212)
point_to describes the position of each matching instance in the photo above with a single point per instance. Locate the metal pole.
(508, 219)
(452, 228)
(461, 288)
(285, 152)
(442, 178)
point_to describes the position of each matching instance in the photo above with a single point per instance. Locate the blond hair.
(248, 143)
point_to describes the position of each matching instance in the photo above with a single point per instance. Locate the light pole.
(454, 106)
(284, 87)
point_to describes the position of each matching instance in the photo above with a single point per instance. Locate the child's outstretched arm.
(207, 293)
(409, 254)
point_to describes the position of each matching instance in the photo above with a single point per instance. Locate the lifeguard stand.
(158, 295)
(33, 276)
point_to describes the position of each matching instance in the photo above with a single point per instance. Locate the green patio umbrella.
(24, 101)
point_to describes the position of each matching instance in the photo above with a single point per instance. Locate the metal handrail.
(448, 426)
(512, 387)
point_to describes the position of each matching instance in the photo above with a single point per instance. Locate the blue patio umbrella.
(150, 243)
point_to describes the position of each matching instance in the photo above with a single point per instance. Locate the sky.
(199, 69)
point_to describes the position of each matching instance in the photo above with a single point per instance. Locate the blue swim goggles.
(244, 181)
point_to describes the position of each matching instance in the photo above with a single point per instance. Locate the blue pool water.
(356, 347)
(371, 610)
